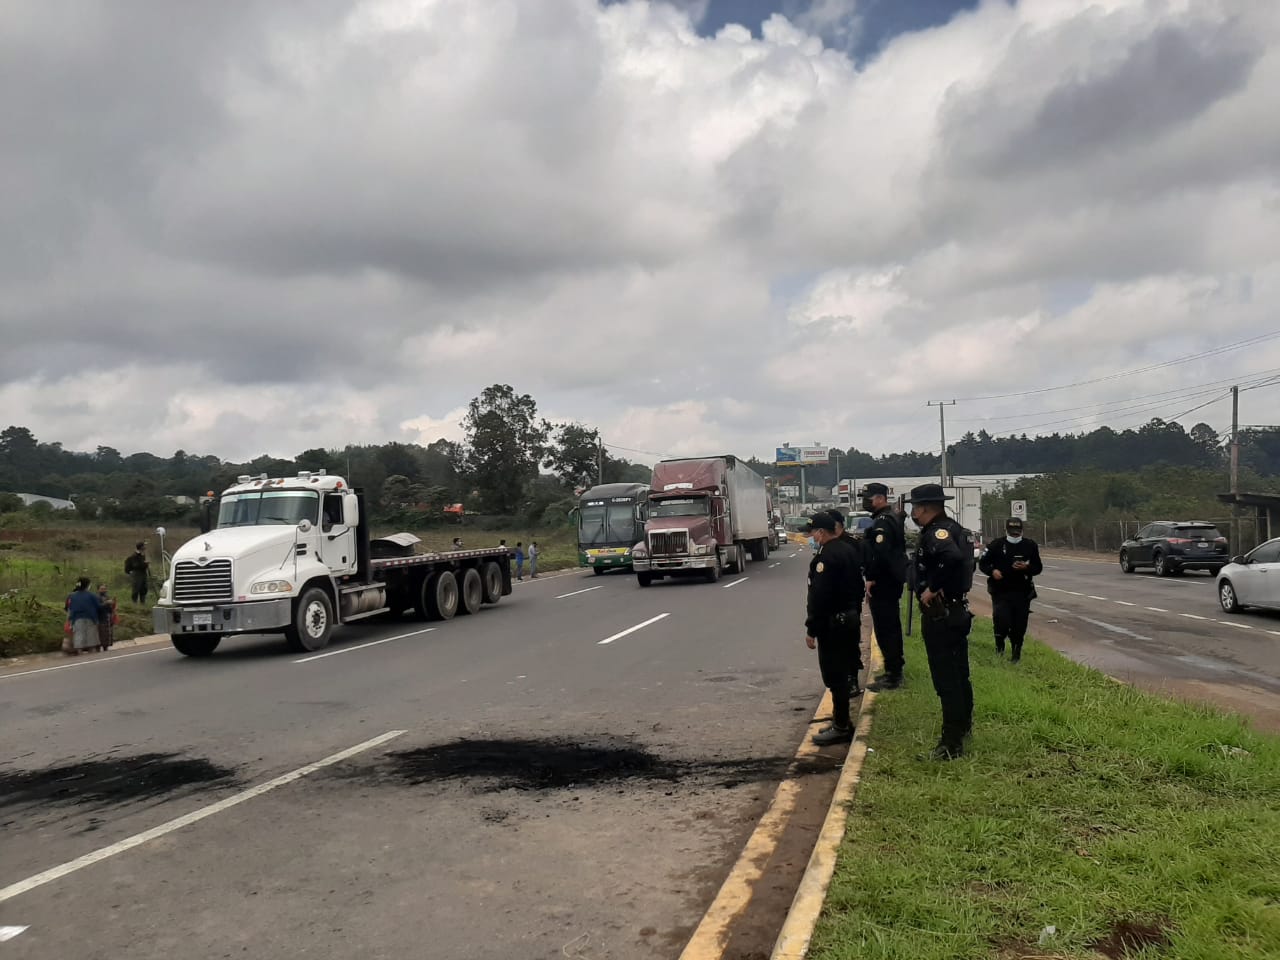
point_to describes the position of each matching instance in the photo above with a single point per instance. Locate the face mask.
(1012, 539)
(813, 545)
(867, 504)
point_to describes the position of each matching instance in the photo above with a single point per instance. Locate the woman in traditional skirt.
(106, 618)
(83, 611)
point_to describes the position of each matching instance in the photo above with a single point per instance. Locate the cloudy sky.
(256, 227)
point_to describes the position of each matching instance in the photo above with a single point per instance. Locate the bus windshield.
(268, 507)
(602, 524)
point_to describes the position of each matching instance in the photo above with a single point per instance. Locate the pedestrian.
(503, 543)
(457, 543)
(885, 559)
(107, 618)
(519, 560)
(139, 572)
(533, 560)
(833, 614)
(1010, 563)
(944, 574)
(83, 610)
(856, 666)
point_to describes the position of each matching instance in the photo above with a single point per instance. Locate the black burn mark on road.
(108, 781)
(548, 764)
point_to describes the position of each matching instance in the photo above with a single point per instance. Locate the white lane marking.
(576, 592)
(8, 933)
(195, 816)
(361, 646)
(735, 583)
(772, 565)
(1193, 616)
(630, 630)
(1074, 593)
(1124, 603)
(1092, 597)
(1157, 609)
(84, 663)
(792, 556)
(1274, 633)
(1113, 628)
(1232, 623)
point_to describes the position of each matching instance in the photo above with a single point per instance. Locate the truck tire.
(440, 595)
(312, 622)
(759, 550)
(644, 579)
(195, 646)
(492, 577)
(713, 574)
(738, 559)
(471, 598)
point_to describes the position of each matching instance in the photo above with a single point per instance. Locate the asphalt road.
(1162, 633)
(568, 774)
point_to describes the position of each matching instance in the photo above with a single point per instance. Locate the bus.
(611, 520)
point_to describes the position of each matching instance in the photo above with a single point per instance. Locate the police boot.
(1017, 653)
(832, 734)
(1000, 645)
(946, 751)
(886, 681)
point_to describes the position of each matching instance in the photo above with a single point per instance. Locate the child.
(519, 560)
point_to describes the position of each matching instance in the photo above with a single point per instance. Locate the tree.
(503, 446)
(574, 455)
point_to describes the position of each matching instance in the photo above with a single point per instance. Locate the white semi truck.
(294, 555)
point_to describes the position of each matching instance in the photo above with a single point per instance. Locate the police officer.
(944, 574)
(885, 559)
(1010, 562)
(832, 623)
(856, 666)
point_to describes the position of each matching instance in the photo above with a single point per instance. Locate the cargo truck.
(705, 516)
(294, 556)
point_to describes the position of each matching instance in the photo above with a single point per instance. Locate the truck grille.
(669, 543)
(193, 583)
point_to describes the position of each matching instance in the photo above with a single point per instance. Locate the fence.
(1106, 536)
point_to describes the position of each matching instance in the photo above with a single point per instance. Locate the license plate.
(1202, 546)
(202, 619)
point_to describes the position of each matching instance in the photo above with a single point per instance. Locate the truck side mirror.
(350, 510)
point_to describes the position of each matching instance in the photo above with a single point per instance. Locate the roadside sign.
(1018, 508)
(800, 456)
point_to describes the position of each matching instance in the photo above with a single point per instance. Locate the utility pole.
(942, 424)
(600, 461)
(1235, 468)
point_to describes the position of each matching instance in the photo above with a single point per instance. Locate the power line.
(1225, 348)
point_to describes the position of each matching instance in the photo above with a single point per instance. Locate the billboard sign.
(800, 456)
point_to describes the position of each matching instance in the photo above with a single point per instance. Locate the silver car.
(1252, 580)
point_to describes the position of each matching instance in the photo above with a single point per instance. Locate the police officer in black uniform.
(944, 574)
(885, 570)
(1010, 562)
(857, 666)
(833, 615)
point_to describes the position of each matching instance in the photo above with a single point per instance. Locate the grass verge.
(1133, 825)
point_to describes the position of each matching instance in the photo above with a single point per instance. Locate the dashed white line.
(1092, 597)
(576, 592)
(83, 663)
(195, 816)
(1193, 616)
(772, 565)
(630, 630)
(736, 582)
(1124, 603)
(8, 933)
(1274, 633)
(1074, 593)
(361, 646)
(1157, 609)
(792, 556)
(1232, 623)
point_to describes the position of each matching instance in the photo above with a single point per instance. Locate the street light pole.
(942, 425)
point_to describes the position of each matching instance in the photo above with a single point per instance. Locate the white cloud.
(281, 229)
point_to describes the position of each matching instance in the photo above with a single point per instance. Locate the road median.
(1086, 819)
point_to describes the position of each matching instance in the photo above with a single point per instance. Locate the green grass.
(1081, 804)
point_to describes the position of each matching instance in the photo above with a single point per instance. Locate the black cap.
(139, 545)
(837, 516)
(821, 521)
(928, 493)
(874, 489)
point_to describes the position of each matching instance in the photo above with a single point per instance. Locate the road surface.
(568, 774)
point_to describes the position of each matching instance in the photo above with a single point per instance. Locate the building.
(988, 482)
(29, 498)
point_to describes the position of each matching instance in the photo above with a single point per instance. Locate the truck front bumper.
(262, 616)
(674, 564)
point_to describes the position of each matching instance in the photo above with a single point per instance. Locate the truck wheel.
(492, 577)
(312, 622)
(713, 574)
(644, 579)
(472, 596)
(440, 595)
(195, 646)
(759, 550)
(739, 562)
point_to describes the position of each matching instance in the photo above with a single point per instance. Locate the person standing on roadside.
(83, 610)
(1010, 563)
(533, 560)
(107, 618)
(885, 556)
(833, 614)
(944, 575)
(138, 570)
(856, 666)
(519, 560)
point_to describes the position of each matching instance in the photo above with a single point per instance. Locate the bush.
(28, 626)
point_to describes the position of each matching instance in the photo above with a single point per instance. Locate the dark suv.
(1173, 547)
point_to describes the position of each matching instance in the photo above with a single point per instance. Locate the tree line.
(513, 462)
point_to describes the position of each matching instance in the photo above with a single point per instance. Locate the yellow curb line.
(802, 918)
(711, 937)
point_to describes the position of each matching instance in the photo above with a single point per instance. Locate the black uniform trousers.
(139, 589)
(886, 619)
(948, 651)
(838, 659)
(1009, 611)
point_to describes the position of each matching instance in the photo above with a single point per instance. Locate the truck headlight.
(640, 553)
(271, 586)
(701, 549)
(165, 590)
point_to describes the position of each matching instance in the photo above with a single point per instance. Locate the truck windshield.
(679, 508)
(268, 507)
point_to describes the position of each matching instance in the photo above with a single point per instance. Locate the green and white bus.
(610, 522)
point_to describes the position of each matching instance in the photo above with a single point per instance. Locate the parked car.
(1252, 580)
(1173, 547)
